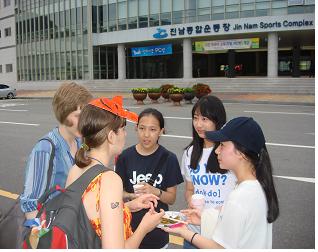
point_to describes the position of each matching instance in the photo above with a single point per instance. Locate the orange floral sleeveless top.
(96, 224)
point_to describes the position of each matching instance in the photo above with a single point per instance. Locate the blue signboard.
(151, 50)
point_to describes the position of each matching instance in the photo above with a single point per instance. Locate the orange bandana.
(115, 106)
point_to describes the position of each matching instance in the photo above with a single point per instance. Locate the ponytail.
(265, 178)
(81, 159)
(263, 169)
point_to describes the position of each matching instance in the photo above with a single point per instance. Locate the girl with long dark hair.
(199, 165)
(246, 218)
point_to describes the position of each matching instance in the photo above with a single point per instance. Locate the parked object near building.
(164, 91)
(188, 95)
(176, 95)
(7, 92)
(154, 94)
(139, 94)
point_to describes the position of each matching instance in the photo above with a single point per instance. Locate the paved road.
(289, 131)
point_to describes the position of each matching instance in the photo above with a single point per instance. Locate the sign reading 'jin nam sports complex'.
(209, 28)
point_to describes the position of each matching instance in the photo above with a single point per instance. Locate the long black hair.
(211, 107)
(264, 175)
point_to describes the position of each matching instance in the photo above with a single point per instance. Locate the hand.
(147, 189)
(190, 205)
(193, 216)
(177, 230)
(143, 202)
(150, 220)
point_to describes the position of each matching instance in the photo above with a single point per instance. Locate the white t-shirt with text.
(242, 221)
(214, 186)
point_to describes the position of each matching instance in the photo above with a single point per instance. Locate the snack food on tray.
(171, 219)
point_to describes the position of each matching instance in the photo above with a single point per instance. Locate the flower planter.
(140, 97)
(176, 98)
(201, 94)
(188, 97)
(165, 96)
(154, 97)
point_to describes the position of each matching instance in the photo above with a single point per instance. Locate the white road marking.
(269, 144)
(175, 136)
(131, 107)
(14, 110)
(268, 104)
(4, 105)
(27, 124)
(291, 145)
(310, 134)
(178, 118)
(303, 179)
(276, 112)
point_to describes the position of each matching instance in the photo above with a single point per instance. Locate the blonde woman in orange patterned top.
(102, 125)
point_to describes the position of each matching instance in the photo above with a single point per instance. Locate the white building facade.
(8, 69)
(162, 39)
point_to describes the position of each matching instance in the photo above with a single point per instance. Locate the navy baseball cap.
(242, 130)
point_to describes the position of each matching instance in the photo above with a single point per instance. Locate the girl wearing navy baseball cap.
(245, 220)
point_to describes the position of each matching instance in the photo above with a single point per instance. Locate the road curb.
(223, 100)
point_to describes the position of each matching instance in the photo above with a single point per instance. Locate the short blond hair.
(68, 98)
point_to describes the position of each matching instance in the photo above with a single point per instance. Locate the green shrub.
(139, 90)
(164, 88)
(176, 90)
(154, 90)
(188, 90)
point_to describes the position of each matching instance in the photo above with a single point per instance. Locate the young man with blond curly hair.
(67, 103)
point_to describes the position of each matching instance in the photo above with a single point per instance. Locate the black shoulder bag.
(12, 230)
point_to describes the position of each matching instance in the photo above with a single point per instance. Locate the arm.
(189, 190)
(168, 196)
(111, 211)
(35, 178)
(198, 240)
(144, 201)
(129, 196)
(148, 223)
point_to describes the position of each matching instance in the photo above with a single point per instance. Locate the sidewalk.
(293, 99)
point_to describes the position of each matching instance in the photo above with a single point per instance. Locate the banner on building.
(215, 45)
(151, 50)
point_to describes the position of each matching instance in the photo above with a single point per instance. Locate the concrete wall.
(281, 85)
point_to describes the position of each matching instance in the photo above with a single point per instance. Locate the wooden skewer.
(180, 221)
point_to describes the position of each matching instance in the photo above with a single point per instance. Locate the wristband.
(193, 237)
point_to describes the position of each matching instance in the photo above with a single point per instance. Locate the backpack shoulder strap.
(83, 181)
(50, 169)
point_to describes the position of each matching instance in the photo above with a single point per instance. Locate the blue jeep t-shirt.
(134, 168)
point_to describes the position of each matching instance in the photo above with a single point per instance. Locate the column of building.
(272, 55)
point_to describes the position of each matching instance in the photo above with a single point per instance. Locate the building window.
(7, 32)
(0, 68)
(6, 3)
(9, 68)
